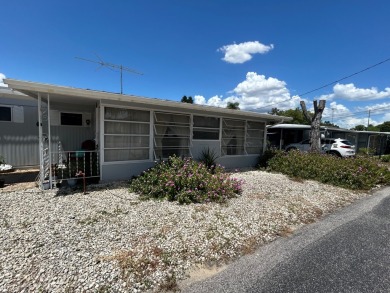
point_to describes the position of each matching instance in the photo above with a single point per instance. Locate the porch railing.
(72, 165)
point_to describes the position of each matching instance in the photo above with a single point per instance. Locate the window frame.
(161, 123)
(129, 148)
(194, 128)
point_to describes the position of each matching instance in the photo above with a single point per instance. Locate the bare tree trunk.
(315, 122)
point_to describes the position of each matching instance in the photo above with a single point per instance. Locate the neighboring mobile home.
(281, 135)
(19, 143)
(113, 136)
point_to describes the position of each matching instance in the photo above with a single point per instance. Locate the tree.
(359, 127)
(384, 127)
(328, 123)
(188, 100)
(315, 121)
(233, 106)
(296, 114)
(373, 128)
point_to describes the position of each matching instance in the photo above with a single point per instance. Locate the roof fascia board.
(97, 95)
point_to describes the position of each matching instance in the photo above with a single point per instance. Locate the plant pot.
(72, 182)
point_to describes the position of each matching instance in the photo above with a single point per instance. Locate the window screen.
(206, 128)
(126, 134)
(171, 135)
(240, 137)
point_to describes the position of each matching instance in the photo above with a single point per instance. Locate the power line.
(328, 84)
(341, 79)
(380, 109)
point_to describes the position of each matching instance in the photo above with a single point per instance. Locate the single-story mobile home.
(281, 135)
(19, 142)
(112, 136)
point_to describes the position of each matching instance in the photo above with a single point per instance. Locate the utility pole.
(332, 114)
(368, 120)
(113, 66)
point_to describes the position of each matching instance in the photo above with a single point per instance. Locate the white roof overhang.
(65, 94)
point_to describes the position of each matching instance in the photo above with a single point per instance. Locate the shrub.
(268, 155)
(185, 181)
(353, 173)
(208, 157)
(366, 151)
(385, 158)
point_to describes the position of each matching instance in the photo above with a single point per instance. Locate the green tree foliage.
(186, 99)
(328, 123)
(233, 106)
(384, 127)
(359, 127)
(296, 114)
(372, 128)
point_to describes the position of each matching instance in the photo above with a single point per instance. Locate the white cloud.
(256, 93)
(2, 76)
(351, 93)
(199, 100)
(240, 53)
(346, 118)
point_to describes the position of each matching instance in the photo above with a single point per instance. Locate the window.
(254, 137)
(240, 137)
(12, 114)
(233, 137)
(206, 128)
(5, 113)
(171, 135)
(126, 134)
(74, 119)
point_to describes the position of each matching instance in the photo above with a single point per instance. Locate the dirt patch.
(19, 179)
(202, 273)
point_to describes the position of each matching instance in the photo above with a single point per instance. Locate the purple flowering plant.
(186, 181)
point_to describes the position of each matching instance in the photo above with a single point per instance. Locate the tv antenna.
(111, 66)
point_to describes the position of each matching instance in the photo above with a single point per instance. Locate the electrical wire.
(329, 84)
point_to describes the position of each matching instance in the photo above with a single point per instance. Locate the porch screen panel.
(171, 135)
(254, 137)
(233, 137)
(205, 128)
(126, 134)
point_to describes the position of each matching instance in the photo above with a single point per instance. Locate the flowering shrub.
(186, 181)
(353, 173)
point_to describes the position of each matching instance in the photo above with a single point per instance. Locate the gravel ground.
(109, 241)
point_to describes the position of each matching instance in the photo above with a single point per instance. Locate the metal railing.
(72, 165)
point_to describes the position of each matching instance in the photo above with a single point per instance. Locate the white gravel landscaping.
(109, 241)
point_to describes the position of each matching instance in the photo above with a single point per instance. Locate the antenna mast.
(113, 66)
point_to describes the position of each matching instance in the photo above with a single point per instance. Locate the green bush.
(208, 157)
(385, 158)
(366, 151)
(353, 173)
(185, 181)
(268, 155)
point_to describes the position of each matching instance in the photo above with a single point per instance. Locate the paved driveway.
(348, 251)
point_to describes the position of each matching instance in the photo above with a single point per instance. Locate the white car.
(335, 146)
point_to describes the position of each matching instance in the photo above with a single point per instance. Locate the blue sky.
(262, 54)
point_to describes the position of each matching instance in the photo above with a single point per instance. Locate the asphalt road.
(348, 251)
